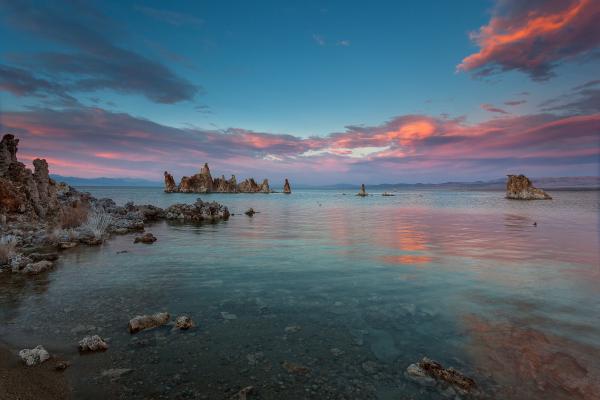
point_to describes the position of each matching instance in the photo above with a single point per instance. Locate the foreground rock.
(519, 187)
(286, 187)
(198, 212)
(37, 267)
(431, 373)
(146, 238)
(362, 192)
(35, 356)
(92, 343)
(203, 182)
(142, 322)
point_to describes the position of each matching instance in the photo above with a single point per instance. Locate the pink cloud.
(534, 36)
(92, 142)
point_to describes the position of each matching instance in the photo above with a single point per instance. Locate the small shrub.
(7, 248)
(98, 222)
(74, 215)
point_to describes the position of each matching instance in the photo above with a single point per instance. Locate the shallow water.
(365, 286)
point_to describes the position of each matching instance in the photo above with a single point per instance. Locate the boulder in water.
(519, 187)
(142, 322)
(362, 192)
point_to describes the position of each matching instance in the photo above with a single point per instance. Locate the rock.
(250, 212)
(198, 212)
(519, 187)
(294, 368)
(387, 194)
(293, 329)
(203, 182)
(170, 186)
(141, 322)
(92, 343)
(184, 322)
(255, 358)
(35, 356)
(243, 394)
(61, 365)
(35, 257)
(37, 267)
(115, 373)
(370, 367)
(428, 372)
(67, 245)
(337, 352)
(147, 238)
(286, 187)
(362, 192)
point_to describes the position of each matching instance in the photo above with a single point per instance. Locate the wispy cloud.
(493, 109)
(170, 17)
(90, 61)
(320, 40)
(515, 102)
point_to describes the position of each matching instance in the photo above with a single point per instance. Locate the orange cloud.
(535, 38)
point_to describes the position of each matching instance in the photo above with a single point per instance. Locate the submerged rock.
(286, 187)
(37, 267)
(294, 368)
(146, 238)
(431, 373)
(243, 394)
(92, 343)
(519, 187)
(387, 194)
(184, 322)
(115, 373)
(362, 192)
(142, 322)
(35, 356)
(250, 212)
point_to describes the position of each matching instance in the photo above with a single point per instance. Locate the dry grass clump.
(98, 221)
(75, 215)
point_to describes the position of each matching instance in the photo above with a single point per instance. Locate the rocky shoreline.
(40, 217)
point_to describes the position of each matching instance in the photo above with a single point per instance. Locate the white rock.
(34, 356)
(92, 343)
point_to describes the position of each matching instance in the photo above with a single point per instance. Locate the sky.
(320, 92)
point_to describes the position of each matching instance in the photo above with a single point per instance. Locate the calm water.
(365, 286)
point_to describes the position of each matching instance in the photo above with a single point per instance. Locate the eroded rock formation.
(362, 192)
(170, 186)
(203, 182)
(519, 187)
(21, 190)
(286, 187)
(197, 212)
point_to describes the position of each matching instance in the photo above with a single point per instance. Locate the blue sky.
(311, 69)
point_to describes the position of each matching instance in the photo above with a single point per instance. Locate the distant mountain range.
(560, 183)
(75, 181)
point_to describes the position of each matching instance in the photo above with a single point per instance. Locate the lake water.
(364, 286)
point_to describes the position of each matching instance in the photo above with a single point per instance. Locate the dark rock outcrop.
(203, 182)
(21, 190)
(362, 192)
(286, 187)
(519, 187)
(197, 212)
(146, 238)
